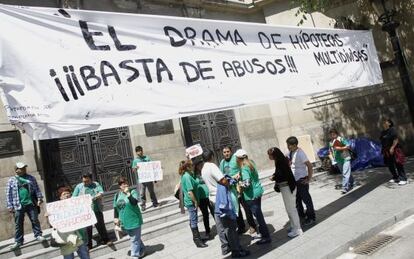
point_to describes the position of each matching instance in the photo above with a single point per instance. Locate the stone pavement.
(342, 221)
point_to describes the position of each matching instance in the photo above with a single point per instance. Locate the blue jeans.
(137, 246)
(82, 251)
(192, 214)
(347, 179)
(31, 211)
(255, 207)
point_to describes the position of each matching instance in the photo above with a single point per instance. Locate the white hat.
(20, 165)
(240, 153)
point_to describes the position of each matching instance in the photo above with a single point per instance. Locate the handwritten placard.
(71, 214)
(194, 151)
(149, 171)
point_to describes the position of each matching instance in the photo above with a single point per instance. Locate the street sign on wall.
(10, 143)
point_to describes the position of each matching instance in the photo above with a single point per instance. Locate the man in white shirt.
(226, 227)
(302, 170)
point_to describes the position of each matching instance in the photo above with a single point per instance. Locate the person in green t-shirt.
(24, 193)
(189, 186)
(80, 246)
(128, 215)
(203, 194)
(23, 196)
(87, 186)
(339, 154)
(144, 186)
(252, 192)
(228, 166)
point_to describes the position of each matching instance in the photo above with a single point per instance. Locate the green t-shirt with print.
(340, 156)
(188, 183)
(255, 190)
(140, 159)
(24, 191)
(93, 189)
(229, 167)
(129, 214)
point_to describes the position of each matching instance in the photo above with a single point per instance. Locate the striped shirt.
(12, 191)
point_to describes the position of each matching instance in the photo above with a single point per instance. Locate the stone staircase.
(157, 221)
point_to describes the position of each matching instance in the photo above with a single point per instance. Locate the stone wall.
(257, 133)
(169, 149)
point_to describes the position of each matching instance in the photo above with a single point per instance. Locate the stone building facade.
(355, 112)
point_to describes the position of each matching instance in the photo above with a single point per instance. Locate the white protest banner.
(149, 171)
(193, 151)
(65, 72)
(71, 214)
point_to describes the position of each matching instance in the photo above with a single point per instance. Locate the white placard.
(149, 171)
(71, 214)
(194, 151)
(74, 71)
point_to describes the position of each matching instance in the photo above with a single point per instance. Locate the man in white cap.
(24, 196)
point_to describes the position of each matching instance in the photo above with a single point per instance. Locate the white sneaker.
(40, 238)
(391, 181)
(295, 233)
(402, 182)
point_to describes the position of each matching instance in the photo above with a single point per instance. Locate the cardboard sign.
(149, 171)
(71, 214)
(194, 151)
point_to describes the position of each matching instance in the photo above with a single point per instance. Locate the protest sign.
(149, 171)
(86, 70)
(71, 214)
(194, 151)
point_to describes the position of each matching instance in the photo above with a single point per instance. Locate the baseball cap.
(240, 153)
(20, 165)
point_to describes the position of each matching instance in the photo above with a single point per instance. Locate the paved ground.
(342, 221)
(400, 248)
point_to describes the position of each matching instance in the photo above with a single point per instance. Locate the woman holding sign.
(72, 241)
(189, 189)
(128, 215)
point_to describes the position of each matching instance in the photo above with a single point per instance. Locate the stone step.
(157, 221)
(156, 231)
(152, 232)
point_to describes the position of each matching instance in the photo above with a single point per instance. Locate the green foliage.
(309, 6)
